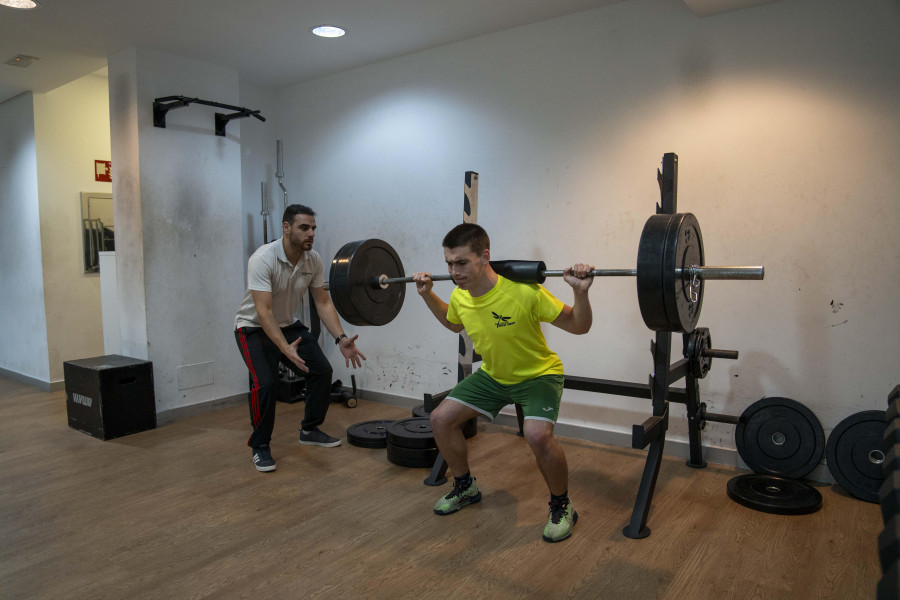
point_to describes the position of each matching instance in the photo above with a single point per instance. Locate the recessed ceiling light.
(329, 31)
(25, 4)
(22, 60)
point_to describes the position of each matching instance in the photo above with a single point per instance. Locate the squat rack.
(652, 432)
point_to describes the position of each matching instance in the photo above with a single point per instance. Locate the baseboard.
(44, 386)
(182, 412)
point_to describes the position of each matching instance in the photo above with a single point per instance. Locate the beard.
(298, 243)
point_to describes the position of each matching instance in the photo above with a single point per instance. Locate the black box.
(290, 390)
(110, 396)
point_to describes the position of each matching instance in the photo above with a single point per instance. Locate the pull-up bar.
(163, 105)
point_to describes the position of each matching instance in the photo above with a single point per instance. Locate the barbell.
(365, 276)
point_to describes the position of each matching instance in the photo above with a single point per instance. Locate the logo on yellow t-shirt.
(503, 321)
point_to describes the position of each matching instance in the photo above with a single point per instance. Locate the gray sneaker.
(317, 437)
(262, 458)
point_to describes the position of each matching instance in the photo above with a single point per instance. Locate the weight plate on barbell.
(651, 250)
(774, 495)
(669, 243)
(855, 453)
(780, 436)
(355, 270)
(683, 297)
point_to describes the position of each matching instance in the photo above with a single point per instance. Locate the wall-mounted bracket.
(163, 105)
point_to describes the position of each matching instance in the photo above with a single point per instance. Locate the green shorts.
(538, 397)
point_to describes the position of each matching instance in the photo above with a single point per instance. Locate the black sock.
(464, 480)
(562, 499)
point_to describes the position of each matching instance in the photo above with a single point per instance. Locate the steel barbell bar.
(704, 272)
(670, 274)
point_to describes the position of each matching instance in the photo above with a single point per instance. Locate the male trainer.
(266, 330)
(503, 319)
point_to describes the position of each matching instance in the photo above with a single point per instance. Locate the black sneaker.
(262, 458)
(316, 437)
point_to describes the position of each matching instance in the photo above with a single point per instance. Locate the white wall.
(24, 354)
(72, 130)
(177, 193)
(258, 165)
(787, 126)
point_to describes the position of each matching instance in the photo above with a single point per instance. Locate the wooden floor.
(180, 512)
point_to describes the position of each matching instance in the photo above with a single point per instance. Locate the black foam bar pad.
(522, 271)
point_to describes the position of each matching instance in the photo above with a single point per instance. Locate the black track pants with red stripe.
(262, 356)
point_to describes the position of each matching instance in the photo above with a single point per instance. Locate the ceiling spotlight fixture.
(328, 31)
(23, 4)
(22, 60)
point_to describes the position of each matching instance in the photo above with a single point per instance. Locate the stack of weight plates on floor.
(782, 441)
(889, 495)
(410, 443)
(368, 434)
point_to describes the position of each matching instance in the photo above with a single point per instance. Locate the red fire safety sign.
(102, 170)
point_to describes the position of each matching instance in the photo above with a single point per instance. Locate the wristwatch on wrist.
(338, 339)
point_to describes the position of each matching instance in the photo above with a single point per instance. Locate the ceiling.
(266, 41)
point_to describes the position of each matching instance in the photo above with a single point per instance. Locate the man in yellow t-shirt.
(504, 318)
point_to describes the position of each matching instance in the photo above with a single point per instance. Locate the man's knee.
(447, 415)
(539, 435)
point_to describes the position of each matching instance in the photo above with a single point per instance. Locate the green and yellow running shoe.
(562, 519)
(458, 497)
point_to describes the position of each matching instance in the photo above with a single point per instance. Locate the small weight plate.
(352, 282)
(696, 343)
(415, 458)
(411, 433)
(775, 495)
(780, 436)
(855, 453)
(368, 434)
(419, 411)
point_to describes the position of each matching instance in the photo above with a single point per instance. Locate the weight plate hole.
(876, 457)
(778, 438)
(773, 489)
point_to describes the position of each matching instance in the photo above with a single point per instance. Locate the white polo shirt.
(269, 270)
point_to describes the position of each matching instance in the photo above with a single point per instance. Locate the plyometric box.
(110, 396)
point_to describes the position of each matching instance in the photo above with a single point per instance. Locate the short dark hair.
(468, 234)
(296, 209)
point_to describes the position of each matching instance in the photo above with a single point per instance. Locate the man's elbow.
(581, 328)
